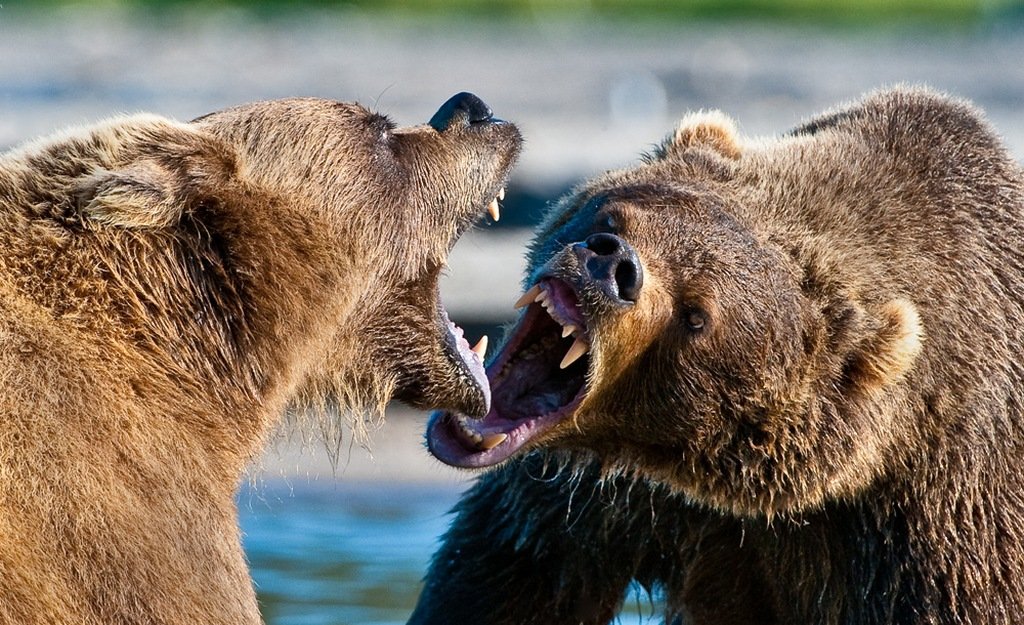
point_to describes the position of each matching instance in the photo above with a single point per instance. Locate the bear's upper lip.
(537, 379)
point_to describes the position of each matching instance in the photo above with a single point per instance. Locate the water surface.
(350, 553)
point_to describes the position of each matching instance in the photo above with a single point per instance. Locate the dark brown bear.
(790, 393)
(168, 289)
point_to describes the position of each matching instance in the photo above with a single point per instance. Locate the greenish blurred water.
(340, 553)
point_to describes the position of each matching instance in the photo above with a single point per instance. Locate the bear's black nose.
(464, 108)
(612, 263)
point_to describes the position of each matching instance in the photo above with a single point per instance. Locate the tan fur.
(839, 442)
(166, 291)
(713, 130)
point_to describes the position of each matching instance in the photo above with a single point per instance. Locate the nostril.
(603, 244)
(612, 263)
(468, 107)
(476, 110)
(629, 279)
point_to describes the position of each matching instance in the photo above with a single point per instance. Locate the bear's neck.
(221, 332)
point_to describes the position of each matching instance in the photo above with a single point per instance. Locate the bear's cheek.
(622, 340)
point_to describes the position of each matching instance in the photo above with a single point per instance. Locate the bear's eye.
(607, 222)
(695, 320)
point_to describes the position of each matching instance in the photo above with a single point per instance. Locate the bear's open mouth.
(536, 380)
(468, 359)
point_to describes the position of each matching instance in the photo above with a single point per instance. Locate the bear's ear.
(711, 130)
(142, 195)
(890, 353)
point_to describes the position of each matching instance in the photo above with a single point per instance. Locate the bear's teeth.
(568, 329)
(501, 193)
(533, 350)
(482, 442)
(579, 347)
(529, 297)
(469, 433)
(480, 348)
(553, 313)
(492, 441)
(493, 210)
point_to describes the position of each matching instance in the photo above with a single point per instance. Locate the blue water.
(342, 553)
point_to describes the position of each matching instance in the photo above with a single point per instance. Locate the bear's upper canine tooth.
(492, 441)
(579, 347)
(501, 193)
(480, 348)
(493, 210)
(529, 297)
(568, 329)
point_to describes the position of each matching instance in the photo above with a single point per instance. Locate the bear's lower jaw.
(534, 385)
(468, 443)
(469, 361)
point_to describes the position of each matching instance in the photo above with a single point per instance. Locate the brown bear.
(776, 381)
(170, 289)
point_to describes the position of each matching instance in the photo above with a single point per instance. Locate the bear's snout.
(610, 263)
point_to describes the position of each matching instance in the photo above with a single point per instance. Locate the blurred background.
(338, 530)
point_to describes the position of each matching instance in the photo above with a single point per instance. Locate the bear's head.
(274, 250)
(397, 200)
(673, 326)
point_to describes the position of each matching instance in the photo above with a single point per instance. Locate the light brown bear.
(168, 289)
(778, 381)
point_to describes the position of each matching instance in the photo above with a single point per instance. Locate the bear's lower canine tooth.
(579, 347)
(492, 441)
(529, 297)
(493, 210)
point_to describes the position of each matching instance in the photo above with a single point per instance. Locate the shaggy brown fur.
(812, 411)
(166, 290)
